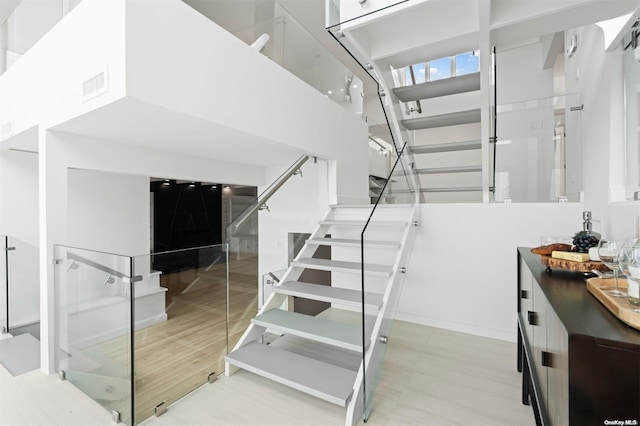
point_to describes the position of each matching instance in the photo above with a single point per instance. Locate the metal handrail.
(101, 267)
(262, 199)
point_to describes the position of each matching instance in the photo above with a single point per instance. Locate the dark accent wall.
(186, 215)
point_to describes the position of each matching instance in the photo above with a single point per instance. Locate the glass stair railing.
(137, 333)
(354, 263)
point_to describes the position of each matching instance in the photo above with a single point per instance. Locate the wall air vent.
(7, 130)
(95, 86)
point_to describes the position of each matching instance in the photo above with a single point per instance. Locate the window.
(449, 66)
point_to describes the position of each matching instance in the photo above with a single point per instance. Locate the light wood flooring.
(176, 356)
(430, 377)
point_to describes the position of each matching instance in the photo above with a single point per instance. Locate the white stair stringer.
(387, 238)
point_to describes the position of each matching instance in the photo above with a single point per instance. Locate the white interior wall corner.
(277, 107)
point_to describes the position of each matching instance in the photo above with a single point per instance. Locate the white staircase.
(322, 355)
(441, 119)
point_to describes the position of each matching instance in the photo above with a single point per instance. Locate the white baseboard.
(508, 335)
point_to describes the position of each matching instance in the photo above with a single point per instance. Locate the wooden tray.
(572, 265)
(618, 306)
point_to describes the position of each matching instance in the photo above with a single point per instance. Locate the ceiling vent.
(95, 86)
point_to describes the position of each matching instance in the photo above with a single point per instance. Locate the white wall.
(19, 221)
(108, 212)
(19, 196)
(249, 92)
(45, 85)
(296, 207)
(463, 272)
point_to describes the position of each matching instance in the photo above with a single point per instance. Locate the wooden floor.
(176, 356)
(429, 377)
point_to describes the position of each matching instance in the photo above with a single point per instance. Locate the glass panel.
(632, 122)
(27, 21)
(3, 286)
(467, 63)
(381, 290)
(291, 46)
(93, 319)
(535, 140)
(341, 11)
(24, 288)
(306, 186)
(440, 68)
(180, 320)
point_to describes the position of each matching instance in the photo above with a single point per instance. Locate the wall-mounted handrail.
(262, 199)
(102, 267)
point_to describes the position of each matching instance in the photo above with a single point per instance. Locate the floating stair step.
(446, 147)
(456, 169)
(320, 379)
(444, 87)
(442, 120)
(326, 293)
(454, 189)
(352, 243)
(334, 333)
(361, 223)
(342, 266)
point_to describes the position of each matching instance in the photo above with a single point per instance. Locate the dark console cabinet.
(580, 365)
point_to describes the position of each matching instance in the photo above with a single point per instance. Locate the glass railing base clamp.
(383, 339)
(62, 375)
(212, 377)
(116, 417)
(160, 409)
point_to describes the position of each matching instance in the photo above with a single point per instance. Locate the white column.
(53, 229)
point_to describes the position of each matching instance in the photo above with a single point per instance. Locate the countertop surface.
(580, 312)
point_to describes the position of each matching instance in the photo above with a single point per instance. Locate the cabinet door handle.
(532, 317)
(546, 359)
(524, 294)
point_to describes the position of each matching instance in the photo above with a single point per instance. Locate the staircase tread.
(361, 223)
(325, 293)
(443, 120)
(453, 189)
(343, 266)
(446, 147)
(452, 169)
(349, 243)
(444, 87)
(335, 333)
(326, 381)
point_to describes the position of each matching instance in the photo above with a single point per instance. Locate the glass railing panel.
(341, 11)
(4, 281)
(26, 22)
(382, 277)
(538, 150)
(24, 288)
(94, 326)
(265, 237)
(293, 47)
(180, 322)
